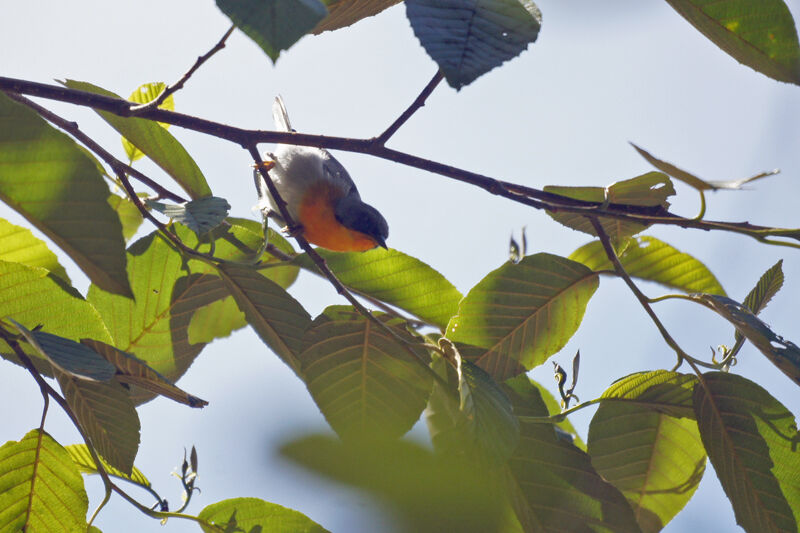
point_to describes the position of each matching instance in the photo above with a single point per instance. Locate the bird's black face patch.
(358, 216)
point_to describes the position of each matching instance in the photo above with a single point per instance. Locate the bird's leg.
(293, 231)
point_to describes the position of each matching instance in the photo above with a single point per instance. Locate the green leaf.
(132, 371)
(343, 13)
(552, 482)
(468, 39)
(782, 353)
(694, 181)
(274, 25)
(363, 380)
(554, 408)
(648, 258)
(18, 245)
(46, 178)
(142, 95)
(768, 286)
(238, 242)
(655, 460)
(33, 297)
(659, 390)
(648, 190)
(156, 142)
(758, 33)
(129, 216)
(278, 319)
(428, 492)
(107, 415)
(40, 487)
(253, 514)
(751, 440)
(395, 278)
(201, 216)
(67, 355)
(83, 460)
(153, 327)
(521, 314)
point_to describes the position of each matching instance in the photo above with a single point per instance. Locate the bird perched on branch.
(320, 196)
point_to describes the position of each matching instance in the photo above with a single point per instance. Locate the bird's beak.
(381, 242)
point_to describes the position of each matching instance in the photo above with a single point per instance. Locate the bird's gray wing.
(336, 173)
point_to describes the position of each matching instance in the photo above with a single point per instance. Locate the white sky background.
(562, 113)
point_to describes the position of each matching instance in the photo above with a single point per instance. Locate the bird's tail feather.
(280, 115)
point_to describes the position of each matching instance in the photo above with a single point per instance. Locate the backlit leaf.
(768, 286)
(751, 440)
(758, 33)
(253, 514)
(156, 142)
(40, 487)
(46, 178)
(654, 260)
(130, 217)
(83, 460)
(18, 245)
(363, 380)
(659, 390)
(521, 314)
(343, 13)
(468, 39)
(142, 95)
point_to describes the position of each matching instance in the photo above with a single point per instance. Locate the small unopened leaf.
(85, 463)
(694, 181)
(648, 190)
(107, 415)
(752, 441)
(133, 371)
(468, 39)
(41, 489)
(274, 25)
(71, 357)
(343, 13)
(758, 33)
(362, 379)
(201, 216)
(521, 314)
(782, 353)
(253, 514)
(654, 260)
(142, 95)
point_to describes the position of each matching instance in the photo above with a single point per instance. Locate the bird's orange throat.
(320, 226)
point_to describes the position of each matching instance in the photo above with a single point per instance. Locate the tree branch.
(415, 105)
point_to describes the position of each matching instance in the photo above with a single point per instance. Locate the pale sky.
(561, 113)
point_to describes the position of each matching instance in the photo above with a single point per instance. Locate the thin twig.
(178, 85)
(612, 256)
(415, 105)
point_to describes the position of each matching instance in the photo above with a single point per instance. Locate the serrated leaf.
(521, 314)
(129, 216)
(768, 286)
(253, 514)
(18, 245)
(552, 483)
(751, 440)
(133, 371)
(395, 278)
(107, 415)
(343, 13)
(468, 39)
(694, 181)
(83, 460)
(363, 380)
(660, 390)
(201, 216)
(142, 95)
(156, 142)
(67, 355)
(277, 318)
(648, 258)
(46, 178)
(274, 25)
(655, 460)
(649, 190)
(429, 493)
(782, 353)
(40, 487)
(758, 33)
(33, 297)
(153, 327)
